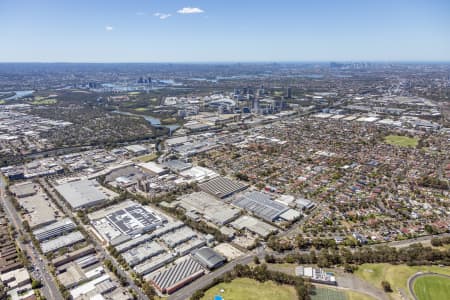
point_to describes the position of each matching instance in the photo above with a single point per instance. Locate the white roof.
(153, 167)
(87, 287)
(290, 215)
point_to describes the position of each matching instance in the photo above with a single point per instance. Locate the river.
(152, 120)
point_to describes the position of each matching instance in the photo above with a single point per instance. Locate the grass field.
(44, 102)
(249, 289)
(146, 158)
(396, 275)
(402, 141)
(141, 109)
(327, 294)
(432, 288)
(357, 296)
(322, 293)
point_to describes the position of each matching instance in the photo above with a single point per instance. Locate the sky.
(224, 30)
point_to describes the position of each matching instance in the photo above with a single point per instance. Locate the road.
(408, 242)
(98, 246)
(40, 263)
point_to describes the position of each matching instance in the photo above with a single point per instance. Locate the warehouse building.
(153, 168)
(62, 241)
(304, 204)
(142, 252)
(198, 174)
(68, 257)
(190, 246)
(179, 236)
(82, 193)
(222, 187)
(165, 228)
(209, 207)
(261, 205)
(154, 263)
(177, 276)
(119, 223)
(99, 285)
(177, 166)
(125, 176)
(137, 149)
(254, 225)
(55, 229)
(208, 258)
(23, 190)
(74, 274)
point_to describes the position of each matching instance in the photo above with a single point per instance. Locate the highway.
(98, 247)
(41, 268)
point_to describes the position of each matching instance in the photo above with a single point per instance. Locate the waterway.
(152, 120)
(19, 94)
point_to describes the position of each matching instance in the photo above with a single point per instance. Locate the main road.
(40, 263)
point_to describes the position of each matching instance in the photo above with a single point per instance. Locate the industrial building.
(137, 149)
(190, 246)
(304, 204)
(119, 223)
(73, 274)
(154, 263)
(222, 187)
(165, 228)
(177, 166)
(25, 189)
(125, 176)
(254, 225)
(179, 236)
(261, 205)
(55, 229)
(39, 211)
(68, 257)
(209, 207)
(142, 252)
(99, 285)
(153, 168)
(198, 174)
(62, 241)
(208, 258)
(316, 275)
(82, 193)
(177, 276)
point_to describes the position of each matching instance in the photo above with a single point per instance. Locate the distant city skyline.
(197, 31)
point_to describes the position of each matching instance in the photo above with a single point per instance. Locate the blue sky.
(224, 30)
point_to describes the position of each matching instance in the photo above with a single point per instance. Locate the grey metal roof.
(176, 273)
(62, 241)
(81, 193)
(222, 187)
(208, 257)
(58, 228)
(261, 205)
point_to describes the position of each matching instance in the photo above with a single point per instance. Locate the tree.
(386, 286)
(36, 284)
(436, 242)
(256, 260)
